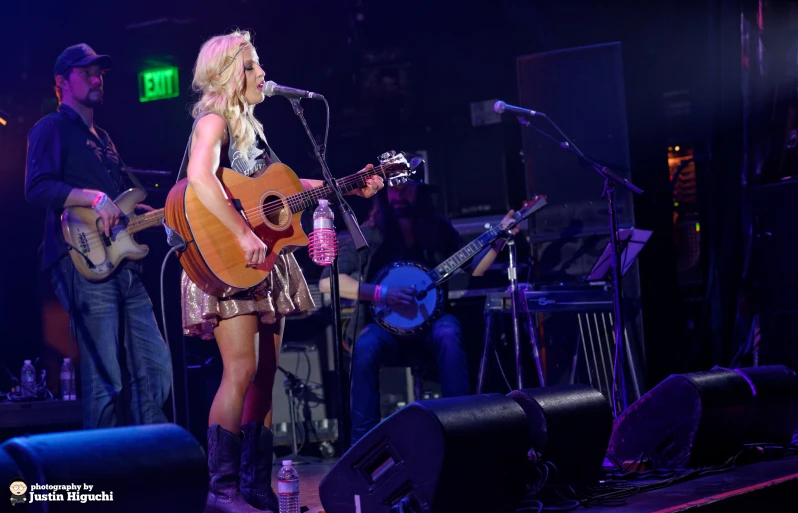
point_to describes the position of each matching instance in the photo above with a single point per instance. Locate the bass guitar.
(428, 306)
(96, 256)
(272, 204)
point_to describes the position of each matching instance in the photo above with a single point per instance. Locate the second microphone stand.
(611, 180)
(342, 374)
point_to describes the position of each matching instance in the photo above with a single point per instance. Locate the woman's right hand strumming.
(254, 248)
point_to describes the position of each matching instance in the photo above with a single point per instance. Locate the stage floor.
(770, 487)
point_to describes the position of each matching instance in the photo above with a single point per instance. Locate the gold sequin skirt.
(283, 293)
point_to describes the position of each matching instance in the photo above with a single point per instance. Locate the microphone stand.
(341, 374)
(611, 180)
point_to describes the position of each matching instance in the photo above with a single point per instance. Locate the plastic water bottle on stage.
(288, 488)
(323, 243)
(28, 379)
(67, 381)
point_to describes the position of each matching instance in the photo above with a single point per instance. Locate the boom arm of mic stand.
(344, 415)
(611, 179)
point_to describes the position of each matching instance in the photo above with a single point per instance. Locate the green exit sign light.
(158, 84)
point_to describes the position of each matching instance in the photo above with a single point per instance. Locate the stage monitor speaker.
(688, 420)
(153, 468)
(570, 426)
(775, 417)
(582, 91)
(452, 454)
(8, 469)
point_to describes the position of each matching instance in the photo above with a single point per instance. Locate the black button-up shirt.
(64, 155)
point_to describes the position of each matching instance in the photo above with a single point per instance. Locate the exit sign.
(158, 84)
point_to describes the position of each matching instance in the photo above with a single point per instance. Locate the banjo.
(416, 317)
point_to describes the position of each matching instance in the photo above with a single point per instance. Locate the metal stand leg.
(292, 384)
(512, 274)
(533, 340)
(483, 363)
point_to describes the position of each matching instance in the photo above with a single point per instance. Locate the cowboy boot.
(256, 467)
(224, 462)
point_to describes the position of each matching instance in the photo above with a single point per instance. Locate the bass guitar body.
(96, 256)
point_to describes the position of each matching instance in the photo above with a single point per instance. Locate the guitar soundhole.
(275, 211)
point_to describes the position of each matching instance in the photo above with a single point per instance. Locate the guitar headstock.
(528, 207)
(395, 168)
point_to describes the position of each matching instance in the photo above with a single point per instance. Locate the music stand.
(632, 242)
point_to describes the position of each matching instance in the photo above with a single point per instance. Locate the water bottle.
(288, 488)
(323, 243)
(67, 381)
(28, 379)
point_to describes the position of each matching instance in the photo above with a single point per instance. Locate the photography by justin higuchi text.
(73, 492)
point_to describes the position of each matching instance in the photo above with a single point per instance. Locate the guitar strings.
(272, 206)
(315, 193)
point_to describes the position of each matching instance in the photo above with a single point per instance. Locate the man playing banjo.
(403, 226)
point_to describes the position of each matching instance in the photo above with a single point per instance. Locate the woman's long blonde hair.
(220, 78)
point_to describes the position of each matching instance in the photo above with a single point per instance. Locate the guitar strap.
(136, 182)
(183, 171)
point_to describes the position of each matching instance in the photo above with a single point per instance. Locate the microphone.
(500, 107)
(323, 242)
(272, 89)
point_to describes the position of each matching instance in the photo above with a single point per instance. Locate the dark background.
(402, 76)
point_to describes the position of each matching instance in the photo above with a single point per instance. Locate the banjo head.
(417, 316)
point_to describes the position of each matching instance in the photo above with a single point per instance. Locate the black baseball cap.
(80, 55)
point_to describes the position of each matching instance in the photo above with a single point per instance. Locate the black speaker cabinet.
(570, 426)
(453, 454)
(688, 420)
(582, 91)
(123, 463)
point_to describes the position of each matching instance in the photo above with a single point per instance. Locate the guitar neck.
(454, 262)
(145, 221)
(310, 198)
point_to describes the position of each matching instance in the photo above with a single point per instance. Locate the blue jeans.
(377, 347)
(102, 313)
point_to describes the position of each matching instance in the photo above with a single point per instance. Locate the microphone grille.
(499, 106)
(268, 88)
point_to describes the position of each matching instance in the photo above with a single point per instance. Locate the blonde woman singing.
(248, 326)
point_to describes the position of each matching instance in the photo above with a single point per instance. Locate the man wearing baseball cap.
(72, 162)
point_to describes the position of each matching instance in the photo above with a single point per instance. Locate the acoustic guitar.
(272, 204)
(96, 256)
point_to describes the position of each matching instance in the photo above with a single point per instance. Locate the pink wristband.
(99, 201)
(377, 293)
